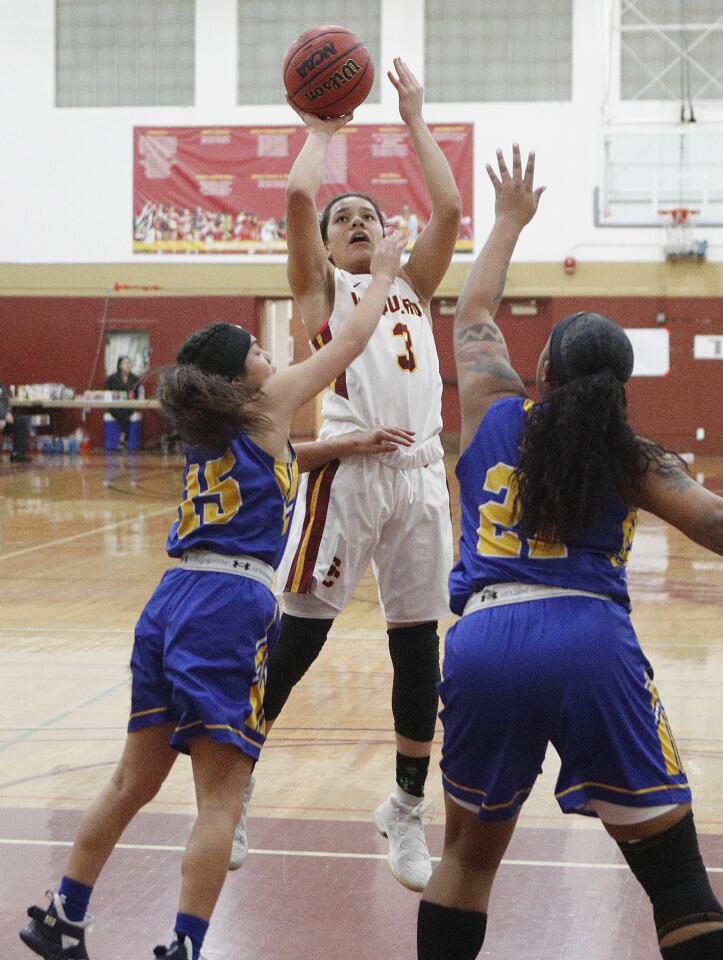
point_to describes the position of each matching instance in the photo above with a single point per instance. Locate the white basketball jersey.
(395, 382)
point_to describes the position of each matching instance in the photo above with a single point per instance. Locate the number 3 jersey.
(395, 381)
(491, 548)
(238, 503)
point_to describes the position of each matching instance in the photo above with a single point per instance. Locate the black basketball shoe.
(176, 951)
(51, 935)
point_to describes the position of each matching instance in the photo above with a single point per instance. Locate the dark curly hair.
(200, 397)
(326, 214)
(578, 442)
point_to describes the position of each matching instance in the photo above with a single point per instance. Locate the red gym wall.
(56, 338)
(666, 409)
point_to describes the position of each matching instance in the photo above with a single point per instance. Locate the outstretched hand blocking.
(411, 94)
(516, 197)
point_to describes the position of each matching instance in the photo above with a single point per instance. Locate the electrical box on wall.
(708, 347)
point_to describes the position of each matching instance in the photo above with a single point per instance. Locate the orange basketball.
(328, 71)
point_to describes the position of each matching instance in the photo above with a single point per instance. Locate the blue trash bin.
(111, 432)
(135, 432)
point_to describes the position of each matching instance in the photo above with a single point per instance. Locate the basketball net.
(680, 242)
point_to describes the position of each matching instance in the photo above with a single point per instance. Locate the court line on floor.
(61, 716)
(331, 855)
(86, 533)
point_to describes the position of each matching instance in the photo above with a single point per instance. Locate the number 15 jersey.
(491, 548)
(395, 381)
(237, 502)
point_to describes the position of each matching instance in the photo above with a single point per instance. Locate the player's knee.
(299, 643)
(134, 787)
(415, 659)
(670, 869)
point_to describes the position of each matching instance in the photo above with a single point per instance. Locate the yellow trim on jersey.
(461, 786)
(630, 522)
(218, 726)
(144, 713)
(673, 762)
(528, 405)
(629, 793)
(310, 526)
(287, 477)
(483, 793)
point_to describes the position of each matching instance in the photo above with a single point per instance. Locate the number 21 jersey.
(492, 550)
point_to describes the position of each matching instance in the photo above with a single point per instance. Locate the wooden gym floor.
(81, 548)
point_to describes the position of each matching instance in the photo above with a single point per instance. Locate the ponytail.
(206, 409)
(575, 446)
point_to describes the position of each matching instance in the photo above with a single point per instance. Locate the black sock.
(445, 933)
(412, 774)
(708, 946)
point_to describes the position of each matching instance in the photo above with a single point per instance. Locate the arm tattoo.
(496, 367)
(481, 348)
(487, 332)
(673, 476)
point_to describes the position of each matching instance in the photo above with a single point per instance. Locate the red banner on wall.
(221, 190)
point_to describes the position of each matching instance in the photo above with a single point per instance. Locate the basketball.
(328, 71)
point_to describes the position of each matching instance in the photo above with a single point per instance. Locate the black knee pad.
(415, 658)
(670, 869)
(298, 645)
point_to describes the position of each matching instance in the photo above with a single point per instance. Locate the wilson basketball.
(328, 71)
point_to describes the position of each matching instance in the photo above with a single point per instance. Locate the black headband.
(224, 353)
(558, 333)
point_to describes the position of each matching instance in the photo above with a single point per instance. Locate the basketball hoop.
(680, 242)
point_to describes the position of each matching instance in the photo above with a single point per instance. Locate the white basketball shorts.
(359, 511)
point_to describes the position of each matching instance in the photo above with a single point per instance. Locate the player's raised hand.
(411, 94)
(319, 124)
(388, 254)
(516, 197)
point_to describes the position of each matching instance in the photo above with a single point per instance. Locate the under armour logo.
(333, 573)
(243, 564)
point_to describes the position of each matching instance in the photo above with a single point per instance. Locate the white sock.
(408, 799)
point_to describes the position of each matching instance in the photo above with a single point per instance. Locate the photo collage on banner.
(221, 190)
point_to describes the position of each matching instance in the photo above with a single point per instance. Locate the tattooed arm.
(484, 373)
(672, 494)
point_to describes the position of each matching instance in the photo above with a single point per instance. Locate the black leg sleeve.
(415, 658)
(299, 644)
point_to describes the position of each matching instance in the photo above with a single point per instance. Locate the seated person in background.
(123, 381)
(17, 424)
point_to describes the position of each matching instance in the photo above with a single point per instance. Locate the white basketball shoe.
(401, 823)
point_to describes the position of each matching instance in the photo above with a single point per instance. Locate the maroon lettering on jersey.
(409, 306)
(395, 305)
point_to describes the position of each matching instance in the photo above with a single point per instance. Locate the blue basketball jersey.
(491, 548)
(238, 503)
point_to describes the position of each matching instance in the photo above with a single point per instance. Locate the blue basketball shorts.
(563, 670)
(199, 658)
